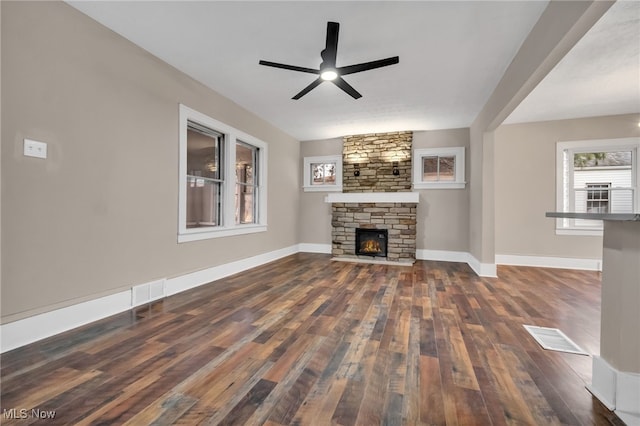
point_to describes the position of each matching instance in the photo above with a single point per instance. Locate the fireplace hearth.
(371, 242)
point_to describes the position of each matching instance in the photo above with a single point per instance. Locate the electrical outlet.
(35, 149)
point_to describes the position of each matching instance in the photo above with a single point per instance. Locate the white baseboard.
(619, 391)
(549, 262)
(315, 248)
(603, 382)
(628, 398)
(481, 269)
(628, 418)
(443, 255)
(489, 270)
(28, 330)
(38, 327)
(186, 282)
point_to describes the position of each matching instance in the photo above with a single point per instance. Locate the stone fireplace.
(375, 198)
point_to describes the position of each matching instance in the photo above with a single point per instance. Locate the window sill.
(579, 232)
(198, 235)
(327, 188)
(439, 185)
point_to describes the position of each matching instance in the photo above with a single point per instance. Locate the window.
(204, 180)
(246, 182)
(598, 176)
(598, 197)
(217, 199)
(322, 173)
(438, 168)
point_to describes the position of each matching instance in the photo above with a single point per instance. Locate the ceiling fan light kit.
(329, 74)
(328, 70)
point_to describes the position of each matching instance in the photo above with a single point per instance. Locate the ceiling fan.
(328, 70)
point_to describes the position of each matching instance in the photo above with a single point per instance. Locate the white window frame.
(457, 152)
(307, 179)
(564, 226)
(232, 136)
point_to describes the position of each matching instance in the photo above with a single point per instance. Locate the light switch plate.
(35, 149)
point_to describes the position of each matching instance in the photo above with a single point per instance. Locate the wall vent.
(145, 293)
(553, 339)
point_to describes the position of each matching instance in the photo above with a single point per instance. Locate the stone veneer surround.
(398, 218)
(374, 154)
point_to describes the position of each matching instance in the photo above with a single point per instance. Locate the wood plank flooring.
(308, 341)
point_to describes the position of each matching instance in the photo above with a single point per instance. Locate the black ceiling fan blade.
(309, 88)
(351, 69)
(339, 81)
(289, 67)
(331, 47)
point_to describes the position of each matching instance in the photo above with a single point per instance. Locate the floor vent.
(145, 293)
(554, 340)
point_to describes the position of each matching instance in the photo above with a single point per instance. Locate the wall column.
(616, 372)
(560, 27)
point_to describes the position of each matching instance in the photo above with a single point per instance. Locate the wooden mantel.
(372, 197)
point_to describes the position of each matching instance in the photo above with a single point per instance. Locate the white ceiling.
(452, 55)
(599, 76)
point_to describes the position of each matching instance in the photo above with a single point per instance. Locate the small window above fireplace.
(438, 168)
(322, 173)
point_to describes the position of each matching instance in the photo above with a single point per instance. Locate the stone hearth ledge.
(372, 261)
(373, 197)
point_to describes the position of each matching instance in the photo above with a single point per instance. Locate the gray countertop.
(632, 217)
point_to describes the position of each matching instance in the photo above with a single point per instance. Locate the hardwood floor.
(308, 341)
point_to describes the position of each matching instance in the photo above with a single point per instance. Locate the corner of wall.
(487, 270)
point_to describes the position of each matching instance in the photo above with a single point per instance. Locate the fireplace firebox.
(371, 242)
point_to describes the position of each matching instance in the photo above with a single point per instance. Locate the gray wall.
(100, 214)
(443, 214)
(315, 214)
(525, 186)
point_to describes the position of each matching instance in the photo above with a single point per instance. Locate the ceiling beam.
(560, 27)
